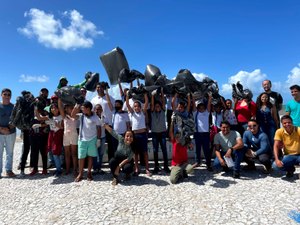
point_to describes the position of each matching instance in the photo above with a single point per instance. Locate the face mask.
(117, 108)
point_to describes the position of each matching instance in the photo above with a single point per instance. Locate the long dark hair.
(259, 102)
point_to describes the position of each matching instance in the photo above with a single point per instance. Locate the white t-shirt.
(217, 118)
(53, 121)
(88, 127)
(106, 110)
(202, 121)
(138, 120)
(120, 121)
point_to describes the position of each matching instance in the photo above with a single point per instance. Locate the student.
(123, 158)
(97, 161)
(89, 137)
(55, 137)
(138, 119)
(70, 138)
(180, 166)
(158, 131)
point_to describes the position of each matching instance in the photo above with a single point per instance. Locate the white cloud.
(29, 78)
(199, 76)
(251, 80)
(293, 77)
(50, 31)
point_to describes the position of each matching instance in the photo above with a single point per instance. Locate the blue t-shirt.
(5, 113)
(293, 107)
(259, 142)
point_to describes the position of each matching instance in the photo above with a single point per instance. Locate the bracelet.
(120, 165)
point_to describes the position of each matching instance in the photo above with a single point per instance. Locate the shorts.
(87, 148)
(70, 139)
(140, 143)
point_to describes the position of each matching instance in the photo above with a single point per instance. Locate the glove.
(34, 126)
(98, 143)
(173, 117)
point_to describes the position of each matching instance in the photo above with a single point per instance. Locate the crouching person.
(228, 145)
(287, 137)
(180, 166)
(257, 146)
(123, 158)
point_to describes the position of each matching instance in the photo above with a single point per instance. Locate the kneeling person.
(228, 143)
(123, 158)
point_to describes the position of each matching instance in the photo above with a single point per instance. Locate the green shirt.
(123, 149)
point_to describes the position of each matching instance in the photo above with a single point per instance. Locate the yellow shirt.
(291, 141)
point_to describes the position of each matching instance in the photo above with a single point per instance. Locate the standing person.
(245, 110)
(7, 133)
(228, 143)
(202, 138)
(292, 108)
(120, 122)
(275, 97)
(180, 166)
(107, 102)
(229, 115)
(257, 145)
(55, 137)
(123, 159)
(70, 138)
(287, 137)
(138, 119)
(158, 131)
(266, 116)
(97, 161)
(89, 137)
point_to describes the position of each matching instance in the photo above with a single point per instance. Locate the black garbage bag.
(185, 77)
(127, 76)
(184, 124)
(137, 93)
(113, 62)
(23, 111)
(237, 91)
(92, 81)
(69, 95)
(151, 74)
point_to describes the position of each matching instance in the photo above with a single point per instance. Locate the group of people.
(235, 130)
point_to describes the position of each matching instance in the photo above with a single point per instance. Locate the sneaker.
(167, 170)
(10, 174)
(33, 172)
(21, 175)
(249, 167)
(156, 170)
(209, 168)
(114, 181)
(289, 174)
(44, 172)
(236, 174)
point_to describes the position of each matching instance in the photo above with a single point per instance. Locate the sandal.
(89, 177)
(149, 174)
(78, 179)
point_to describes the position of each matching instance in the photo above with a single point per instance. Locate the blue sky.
(228, 40)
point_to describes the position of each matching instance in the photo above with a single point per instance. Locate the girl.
(70, 137)
(55, 137)
(123, 158)
(138, 119)
(229, 115)
(266, 116)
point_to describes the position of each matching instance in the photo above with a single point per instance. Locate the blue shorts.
(87, 148)
(140, 143)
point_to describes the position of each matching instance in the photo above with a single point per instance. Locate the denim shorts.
(87, 148)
